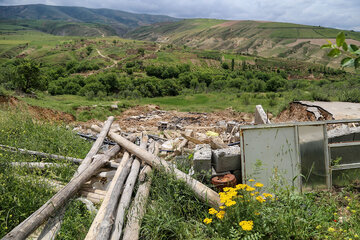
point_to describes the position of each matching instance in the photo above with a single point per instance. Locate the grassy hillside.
(267, 39)
(119, 21)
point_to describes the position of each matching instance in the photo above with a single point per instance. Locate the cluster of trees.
(27, 75)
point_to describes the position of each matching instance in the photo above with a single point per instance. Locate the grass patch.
(23, 191)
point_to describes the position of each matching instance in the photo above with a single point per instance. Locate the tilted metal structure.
(300, 154)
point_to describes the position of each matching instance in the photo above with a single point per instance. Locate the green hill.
(120, 22)
(267, 39)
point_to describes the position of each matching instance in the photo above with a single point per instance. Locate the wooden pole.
(53, 225)
(138, 209)
(109, 216)
(39, 154)
(126, 195)
(96, 146)
(101, 213)
(201, 191)
(25, 228)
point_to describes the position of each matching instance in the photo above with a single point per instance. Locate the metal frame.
(327, 146)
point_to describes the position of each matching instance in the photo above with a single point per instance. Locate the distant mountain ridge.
(120, 21)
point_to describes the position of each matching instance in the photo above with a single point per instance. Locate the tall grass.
(22, 191)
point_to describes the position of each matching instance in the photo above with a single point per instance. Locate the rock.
(226, 159)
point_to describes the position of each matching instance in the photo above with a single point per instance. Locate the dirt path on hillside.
(86, 74)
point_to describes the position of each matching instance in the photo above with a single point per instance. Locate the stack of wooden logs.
(135, 165)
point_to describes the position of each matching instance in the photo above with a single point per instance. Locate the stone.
(114, 106)
(226, 159)
(260, 115)
(202, 158)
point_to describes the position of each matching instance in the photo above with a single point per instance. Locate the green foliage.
(28, 75)
(77, 221)
(351, 51)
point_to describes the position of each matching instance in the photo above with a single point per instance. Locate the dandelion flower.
(212, 211)
(222, 207)
(246, 225)
(207, 220)
(251, 180)
(330, 229)
(267, 195)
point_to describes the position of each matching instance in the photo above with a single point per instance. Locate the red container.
(227, 180)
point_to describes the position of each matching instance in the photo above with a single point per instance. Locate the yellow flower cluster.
(258, 185)
(207, 220)
(212, 211)
(260, 199)
(246, 225)
(220, 215)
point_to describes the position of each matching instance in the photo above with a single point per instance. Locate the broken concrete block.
(202, 158)
(226, 159)
(260, 115)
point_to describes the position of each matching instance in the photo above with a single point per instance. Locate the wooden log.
(100, 215)
(137, 211)
(39, 154)
(127, 193)
(25, 228)
(48, 231)
(96, 146)
(39, 165)
(109, 216)
(191, 139)
(201, 191)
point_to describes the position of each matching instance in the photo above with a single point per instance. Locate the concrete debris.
(260, 115)
(202, 158)
(226, 159)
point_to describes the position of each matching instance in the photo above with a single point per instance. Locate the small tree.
(28, 75)
(232, 64)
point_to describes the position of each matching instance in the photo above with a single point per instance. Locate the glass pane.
(271, 154)
(341, 178)
(312, 152)
(345, 155)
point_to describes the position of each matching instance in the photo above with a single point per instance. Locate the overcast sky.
(344, 14)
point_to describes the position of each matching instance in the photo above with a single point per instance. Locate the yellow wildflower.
(251, 180)
(226, 189)
(347, 207)
(222, 207)
(246, 225)
(260, 199)
(318, 226)
(256, 193)
(229, 203)
(258, 184)
(212, 211)
(257, 213)
(250, 189)
(353, 211)
(220, 215)
(335, 214)
(252, 194)
(267, 195)
(330, 229)
(356, 236)
(240, 186)
(207, 220)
